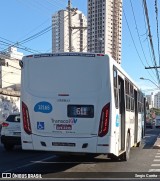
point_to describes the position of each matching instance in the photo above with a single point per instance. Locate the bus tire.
(113, 157)
(142, 134)
(125, 156)
(138, 144)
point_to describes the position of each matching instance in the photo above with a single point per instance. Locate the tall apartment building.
(150, 100)
(60, 31)
(105, 27)
(157, 100)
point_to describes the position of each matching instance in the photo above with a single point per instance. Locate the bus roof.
(65, 54)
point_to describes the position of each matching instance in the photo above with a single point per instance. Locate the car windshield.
(13, 118)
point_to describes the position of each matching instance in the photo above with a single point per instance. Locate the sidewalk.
(157, 143)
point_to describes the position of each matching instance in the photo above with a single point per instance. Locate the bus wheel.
(126, 154)
(113, 157)
(138, 144)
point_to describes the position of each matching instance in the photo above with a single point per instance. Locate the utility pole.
(70, 27)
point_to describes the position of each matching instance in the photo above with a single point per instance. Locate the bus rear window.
(61, 76)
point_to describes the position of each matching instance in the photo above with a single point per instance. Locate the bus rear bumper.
(67, 144)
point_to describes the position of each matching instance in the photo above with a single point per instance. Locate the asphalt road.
(142, 159)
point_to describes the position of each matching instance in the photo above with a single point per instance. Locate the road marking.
(155, 165)
(154, 170)
(29, 164)
(157, 156)
(156, 160)
(64, 162)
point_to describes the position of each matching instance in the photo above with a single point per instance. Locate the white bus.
(79, 103)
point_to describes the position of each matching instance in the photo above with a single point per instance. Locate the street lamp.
(150, 81)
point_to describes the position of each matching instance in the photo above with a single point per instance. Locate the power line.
(8, 44)
(14, 44)
(133, 39)
(36, 35)
(50, 3)
(151, 56)
(14, 67)
(37, 27)
(150, 38)
(40, 6)
(138, 31)
(42, 32)
(49, 28)
(139, 35)
(156, 11)
(53, 4)
(38, 2)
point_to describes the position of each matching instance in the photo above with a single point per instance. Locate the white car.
(11, 131)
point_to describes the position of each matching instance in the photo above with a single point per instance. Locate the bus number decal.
(44, 107)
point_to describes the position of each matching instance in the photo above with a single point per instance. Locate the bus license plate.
(80, 111)
(17, 133)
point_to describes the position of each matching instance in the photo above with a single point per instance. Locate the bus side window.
(115, 87)
(127, 92)
(132, 96)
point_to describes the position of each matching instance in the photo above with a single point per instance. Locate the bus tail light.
(104, 121)
(26, 119)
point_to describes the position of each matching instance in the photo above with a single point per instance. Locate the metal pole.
(70, 26)
(144, 131)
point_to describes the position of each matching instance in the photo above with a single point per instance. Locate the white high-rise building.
(157, 100)
(150, 100)
(60, 32)
(105, 27)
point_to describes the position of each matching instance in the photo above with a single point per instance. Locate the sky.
(21, 19)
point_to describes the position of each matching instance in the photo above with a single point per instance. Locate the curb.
(157, 144)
